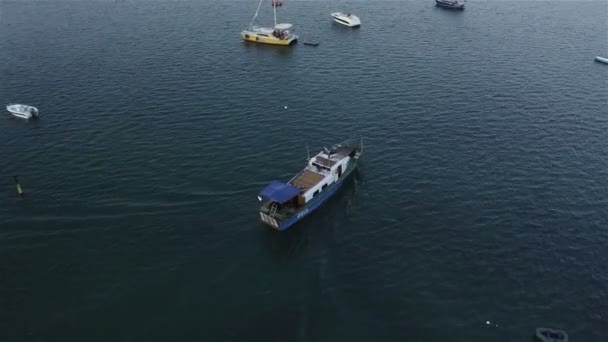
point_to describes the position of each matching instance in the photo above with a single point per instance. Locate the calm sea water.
(483, 193)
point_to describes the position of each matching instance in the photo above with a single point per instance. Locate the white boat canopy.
(283, 26)
(264, 30)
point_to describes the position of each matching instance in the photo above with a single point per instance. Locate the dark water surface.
(483, 193)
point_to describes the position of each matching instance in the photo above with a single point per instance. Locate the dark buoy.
(19, 189)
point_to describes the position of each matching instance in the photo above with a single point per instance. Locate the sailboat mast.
(275, 14)
(256, 14)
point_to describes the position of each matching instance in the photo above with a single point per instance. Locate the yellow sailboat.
(279, 34)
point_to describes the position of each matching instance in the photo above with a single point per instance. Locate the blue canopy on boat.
(279, 192)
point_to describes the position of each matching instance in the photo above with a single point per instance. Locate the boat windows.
(342, 21)
(314, 194)
(323, 187)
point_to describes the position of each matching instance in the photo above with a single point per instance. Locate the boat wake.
(219, 193)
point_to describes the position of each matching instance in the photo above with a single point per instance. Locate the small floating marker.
(285, 107)
(488, 322)
(19, 189)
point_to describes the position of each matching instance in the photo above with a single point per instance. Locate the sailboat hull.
(255, 37)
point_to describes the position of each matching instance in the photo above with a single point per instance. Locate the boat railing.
(277, 211)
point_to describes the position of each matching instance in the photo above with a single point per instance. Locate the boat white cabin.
(22, 111)
(322, 170)
(346, 19)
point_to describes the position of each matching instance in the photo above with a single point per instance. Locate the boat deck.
(324, 161)
(345, 150)
(306, 179)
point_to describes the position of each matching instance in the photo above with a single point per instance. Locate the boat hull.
(341, 22)
(22, 116)
(250, 36)
(440, 3)
(601, 59)
(311, 205)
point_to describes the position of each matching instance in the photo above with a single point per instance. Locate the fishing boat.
(283, 204)
(601, 59)
(551, 335)
(279, 34)
(453, 4)
(276, 3)
(346, 19)
(22, 111)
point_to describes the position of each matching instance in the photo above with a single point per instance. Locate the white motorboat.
(22, 111)
(453, 4)
(346, 19)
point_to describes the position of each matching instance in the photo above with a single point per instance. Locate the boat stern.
(270, 221)
(280, 225)
(276, 200)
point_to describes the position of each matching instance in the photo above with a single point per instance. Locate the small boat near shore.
(551, 335)
(601, 59)
(346, 19)
(282, 204)
(311, 44)
(22, 111)
(453, 4)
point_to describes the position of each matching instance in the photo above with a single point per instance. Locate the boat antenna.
(307, 153)
(256, 14)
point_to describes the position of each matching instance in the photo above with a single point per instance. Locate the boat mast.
(256, 14)
(275, 14)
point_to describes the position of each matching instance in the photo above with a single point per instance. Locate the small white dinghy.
(22, 111)
(601, 59)
(346, 19)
